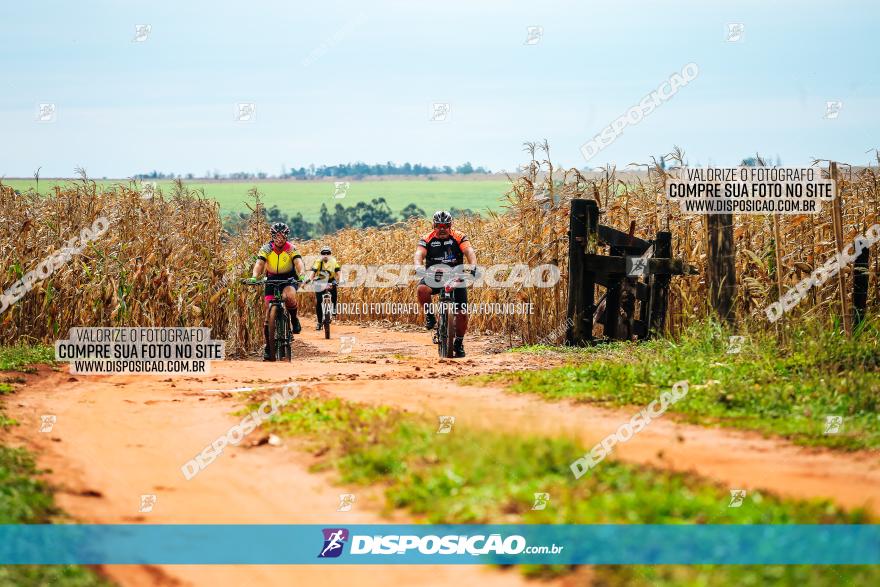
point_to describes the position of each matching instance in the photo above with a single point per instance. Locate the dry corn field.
(166, 261)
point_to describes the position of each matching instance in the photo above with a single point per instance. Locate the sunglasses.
(446, 226)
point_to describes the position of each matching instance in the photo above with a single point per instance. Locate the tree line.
(358, 169)
(371, 214)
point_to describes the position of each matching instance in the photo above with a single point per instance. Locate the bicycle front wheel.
(450, 334)
(445, 331)
(282, 335)
(273, 328)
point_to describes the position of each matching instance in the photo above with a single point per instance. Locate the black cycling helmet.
(280, 227)
(325, 250)
(442, 217)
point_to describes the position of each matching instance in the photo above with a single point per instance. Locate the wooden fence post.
(582, 229)
(660, 286)
(612, 307)
(837, 225)
(721, 265)
(860, 287)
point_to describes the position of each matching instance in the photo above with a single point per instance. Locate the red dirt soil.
(118, 437)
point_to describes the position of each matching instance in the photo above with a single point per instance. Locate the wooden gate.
(634, 270)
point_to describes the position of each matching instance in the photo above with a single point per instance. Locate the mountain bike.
(327, 305)
(280, 329)
(444, 329)
(444, 333)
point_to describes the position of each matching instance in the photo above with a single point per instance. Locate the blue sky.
(345, 81)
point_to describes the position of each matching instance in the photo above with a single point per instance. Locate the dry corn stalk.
(167, 262)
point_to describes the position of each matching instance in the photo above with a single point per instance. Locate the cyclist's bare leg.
(424, 295)
(266, 326)
(461, 323)
(289, 297)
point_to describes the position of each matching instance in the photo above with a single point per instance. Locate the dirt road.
(119, 437)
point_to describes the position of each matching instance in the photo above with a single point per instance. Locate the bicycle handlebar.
(265, 280)
(456, 275)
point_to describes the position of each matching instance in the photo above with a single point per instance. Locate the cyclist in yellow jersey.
(280, 260)
(325, 271)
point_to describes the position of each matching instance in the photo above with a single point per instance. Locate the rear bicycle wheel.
(327, 311)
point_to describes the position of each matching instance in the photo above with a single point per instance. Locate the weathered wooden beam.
(612, 307)
(582, 224)
(837, 226)
(618, 238)
(721, 265)
(639, 329)
(860, 286)
(642, 289)
(659, 286)
(607, 265)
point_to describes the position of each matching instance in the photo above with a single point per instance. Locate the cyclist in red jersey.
(444, 246)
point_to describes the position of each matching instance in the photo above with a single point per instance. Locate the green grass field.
(307, 196)
(786, 390)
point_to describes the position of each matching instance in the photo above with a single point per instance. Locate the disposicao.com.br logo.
(335, 539)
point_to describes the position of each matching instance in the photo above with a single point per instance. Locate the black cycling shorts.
(459, 294)
(271, 288)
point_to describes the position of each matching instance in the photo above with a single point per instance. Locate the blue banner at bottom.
(440, 544)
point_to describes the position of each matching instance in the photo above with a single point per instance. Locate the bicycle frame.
(280, 329)
(327, 309)
(445, 329)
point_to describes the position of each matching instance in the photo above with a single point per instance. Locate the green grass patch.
(483, 477)
(24, 499)
(779, 389)
(734, 576)
(40, 576)
(27, 500)
(20, 357)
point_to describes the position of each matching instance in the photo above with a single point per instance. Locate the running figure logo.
(833, 424)
(446, 424)
(147, 503)
(737, 496)
(334, 540)
(541, 500)
(340, 189)
(47, 422)
(346, 502)
(636, 266)
(735, 344)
